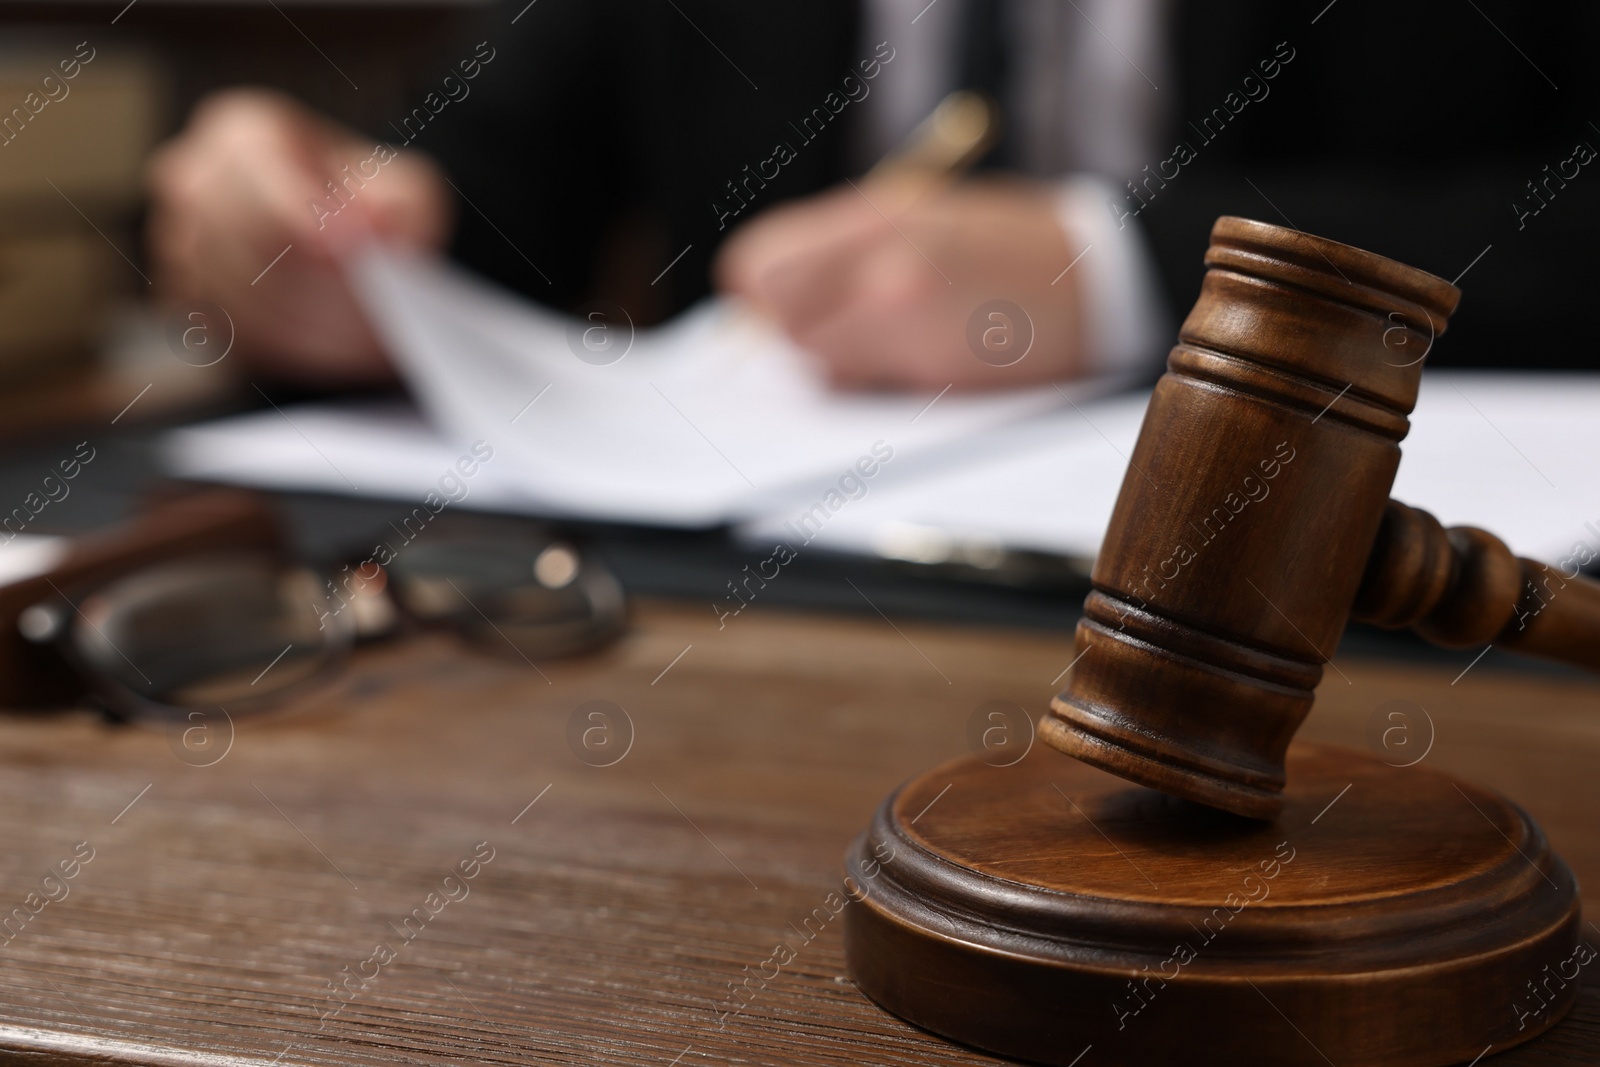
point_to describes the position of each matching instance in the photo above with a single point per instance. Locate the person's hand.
(248, 178)
(888, 295)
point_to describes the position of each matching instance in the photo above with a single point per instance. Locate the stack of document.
(716, 420)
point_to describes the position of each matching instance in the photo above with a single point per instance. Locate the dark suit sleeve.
(602, 140)
(1409, 130)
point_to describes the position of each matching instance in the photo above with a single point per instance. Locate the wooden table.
(618, 909)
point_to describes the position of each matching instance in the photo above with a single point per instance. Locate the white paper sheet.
(376, 450)
(1517, 454)
(710, 419)
(714, 416)
(24, 556)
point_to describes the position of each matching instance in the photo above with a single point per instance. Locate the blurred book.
(53, 289)
(76, 125)
(89, 133)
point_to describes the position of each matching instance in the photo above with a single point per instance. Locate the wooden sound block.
(1388, 916)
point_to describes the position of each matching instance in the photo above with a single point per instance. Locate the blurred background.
(83, 345)
(84, 341)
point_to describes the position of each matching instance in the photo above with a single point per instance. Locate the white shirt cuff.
(1125, 325)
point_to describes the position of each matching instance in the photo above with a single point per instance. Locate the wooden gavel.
(1254, 522)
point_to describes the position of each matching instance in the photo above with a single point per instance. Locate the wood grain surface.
(1045, 910)
(620, 909)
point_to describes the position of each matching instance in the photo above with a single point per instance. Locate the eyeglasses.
(247, 630)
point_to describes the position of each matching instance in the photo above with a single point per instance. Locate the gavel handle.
(1463, 587)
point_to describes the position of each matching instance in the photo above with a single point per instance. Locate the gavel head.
(1249, 509)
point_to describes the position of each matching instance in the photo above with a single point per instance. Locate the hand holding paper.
(251, 207)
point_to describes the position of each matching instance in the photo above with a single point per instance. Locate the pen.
(953, 137)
